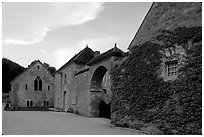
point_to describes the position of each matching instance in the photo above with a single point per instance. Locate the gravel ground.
(58, 123)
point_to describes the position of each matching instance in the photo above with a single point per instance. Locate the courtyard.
(58, 123)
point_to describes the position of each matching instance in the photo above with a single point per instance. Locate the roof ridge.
(109, 52)
(74, 57)
(29, 66)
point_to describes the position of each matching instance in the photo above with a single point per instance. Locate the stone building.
(168, 16)
(83, 84)
(33, 89)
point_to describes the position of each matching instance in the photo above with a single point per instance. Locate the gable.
(85, 56)
(33, 70)
(167, 16)
(82, 57)
(112, 52)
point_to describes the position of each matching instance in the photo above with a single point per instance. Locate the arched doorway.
(100, 102)
(64, 100)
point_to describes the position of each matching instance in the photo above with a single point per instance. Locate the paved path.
(57, 123)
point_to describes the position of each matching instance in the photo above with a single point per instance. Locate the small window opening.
(172, 68)
(65, 78)
(26, 86)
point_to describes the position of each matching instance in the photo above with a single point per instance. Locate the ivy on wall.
(140, 94)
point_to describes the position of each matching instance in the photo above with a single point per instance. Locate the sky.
(53, 32)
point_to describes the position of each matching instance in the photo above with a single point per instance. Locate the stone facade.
(85, 88)
(33, 89)
(167, 16)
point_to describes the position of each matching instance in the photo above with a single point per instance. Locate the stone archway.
(99, 99)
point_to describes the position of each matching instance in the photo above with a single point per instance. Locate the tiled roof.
(82, 57)
(112, 52)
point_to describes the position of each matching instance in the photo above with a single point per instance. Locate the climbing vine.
(139, 93)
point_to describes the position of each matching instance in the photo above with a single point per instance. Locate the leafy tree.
(10, 70)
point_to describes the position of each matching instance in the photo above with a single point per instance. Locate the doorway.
(64, 100)
(104, 110)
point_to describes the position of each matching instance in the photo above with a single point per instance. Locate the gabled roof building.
(83, 84)
(33, 89)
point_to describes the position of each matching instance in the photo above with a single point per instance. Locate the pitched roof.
(115, 51)
(82, 57)
(29, 66)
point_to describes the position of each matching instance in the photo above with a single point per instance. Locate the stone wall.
(76, 87)
(82, 92)
(97, 96)
(168, 16)
(78, 98)
(20, 94)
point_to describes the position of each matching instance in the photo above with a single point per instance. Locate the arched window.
(35, 84)
(31, 103)
(28, 103)
(38, 84)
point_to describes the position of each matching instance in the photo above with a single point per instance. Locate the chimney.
(96, 53)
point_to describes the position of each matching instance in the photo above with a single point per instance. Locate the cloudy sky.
(54, 32)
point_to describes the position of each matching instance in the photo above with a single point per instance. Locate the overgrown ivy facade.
(157, 88)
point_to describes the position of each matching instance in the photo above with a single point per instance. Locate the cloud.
(76, 13)
(61, 56)
(29, 23)
(28, 40)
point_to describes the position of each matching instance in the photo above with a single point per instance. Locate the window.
(48, 88)
(29, 103)
(47, 102)
(65, 78)
(58, 100)
(38, 67)
(172, 68)
(26, 87)
(38, 84)
(44, 103)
